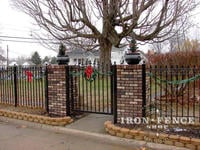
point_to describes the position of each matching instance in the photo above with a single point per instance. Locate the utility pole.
(7, 57)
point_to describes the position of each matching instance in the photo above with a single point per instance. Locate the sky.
(14, 23)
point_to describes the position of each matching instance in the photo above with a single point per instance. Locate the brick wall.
(57, 94)
(129, 91)
(57, 90)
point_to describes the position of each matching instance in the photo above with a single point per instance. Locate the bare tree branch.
(103, 23)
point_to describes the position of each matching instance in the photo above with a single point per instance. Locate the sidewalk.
(91, 127)
(91, 123)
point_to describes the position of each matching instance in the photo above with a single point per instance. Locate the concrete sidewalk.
(91, 127)
(91, 123)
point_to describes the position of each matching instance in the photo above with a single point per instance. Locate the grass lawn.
(30, 94)
(94, 95)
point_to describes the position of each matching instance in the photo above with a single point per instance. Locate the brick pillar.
(129, 91)
(57, 90)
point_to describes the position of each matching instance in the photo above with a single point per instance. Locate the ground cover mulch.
(187, 131)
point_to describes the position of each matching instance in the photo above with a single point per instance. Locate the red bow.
(29, 75)
(88, 72)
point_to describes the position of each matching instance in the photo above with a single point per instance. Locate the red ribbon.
(88, 72)
(29, 76)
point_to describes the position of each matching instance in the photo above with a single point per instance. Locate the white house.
(117, 55)
(79, 56)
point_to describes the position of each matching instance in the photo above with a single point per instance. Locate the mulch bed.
(187, 131)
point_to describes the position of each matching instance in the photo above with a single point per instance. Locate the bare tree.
(157, 47)
(179, 33)
(106, 23)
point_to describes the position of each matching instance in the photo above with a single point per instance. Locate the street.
(22, 137)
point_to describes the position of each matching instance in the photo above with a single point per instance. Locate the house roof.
(27, 63)
(23, 63)
(13, 63)
(116, 49)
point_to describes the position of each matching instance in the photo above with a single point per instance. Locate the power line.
(24, 38)
(19, 26)
(15, 29)
(7, 38)
(26, 41)
(20, 41)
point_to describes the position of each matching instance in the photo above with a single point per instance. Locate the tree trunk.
(105, 52)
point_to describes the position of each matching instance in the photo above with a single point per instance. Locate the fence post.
(143, 90)
(67, 90)
(15, 84)
(46, 90)
(112, 87)
(114, 69)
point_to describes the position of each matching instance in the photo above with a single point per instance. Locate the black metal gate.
(92, 88)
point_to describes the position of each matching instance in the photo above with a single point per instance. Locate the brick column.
(129, 91)
(57, 90)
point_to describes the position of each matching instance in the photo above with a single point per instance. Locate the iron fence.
(173, 92)
(167, 91)
(23, 86)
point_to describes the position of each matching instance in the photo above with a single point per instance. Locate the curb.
(102, 137)
(61, 121)
(161, 138)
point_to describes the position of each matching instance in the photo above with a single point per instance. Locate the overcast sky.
(17, 24)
